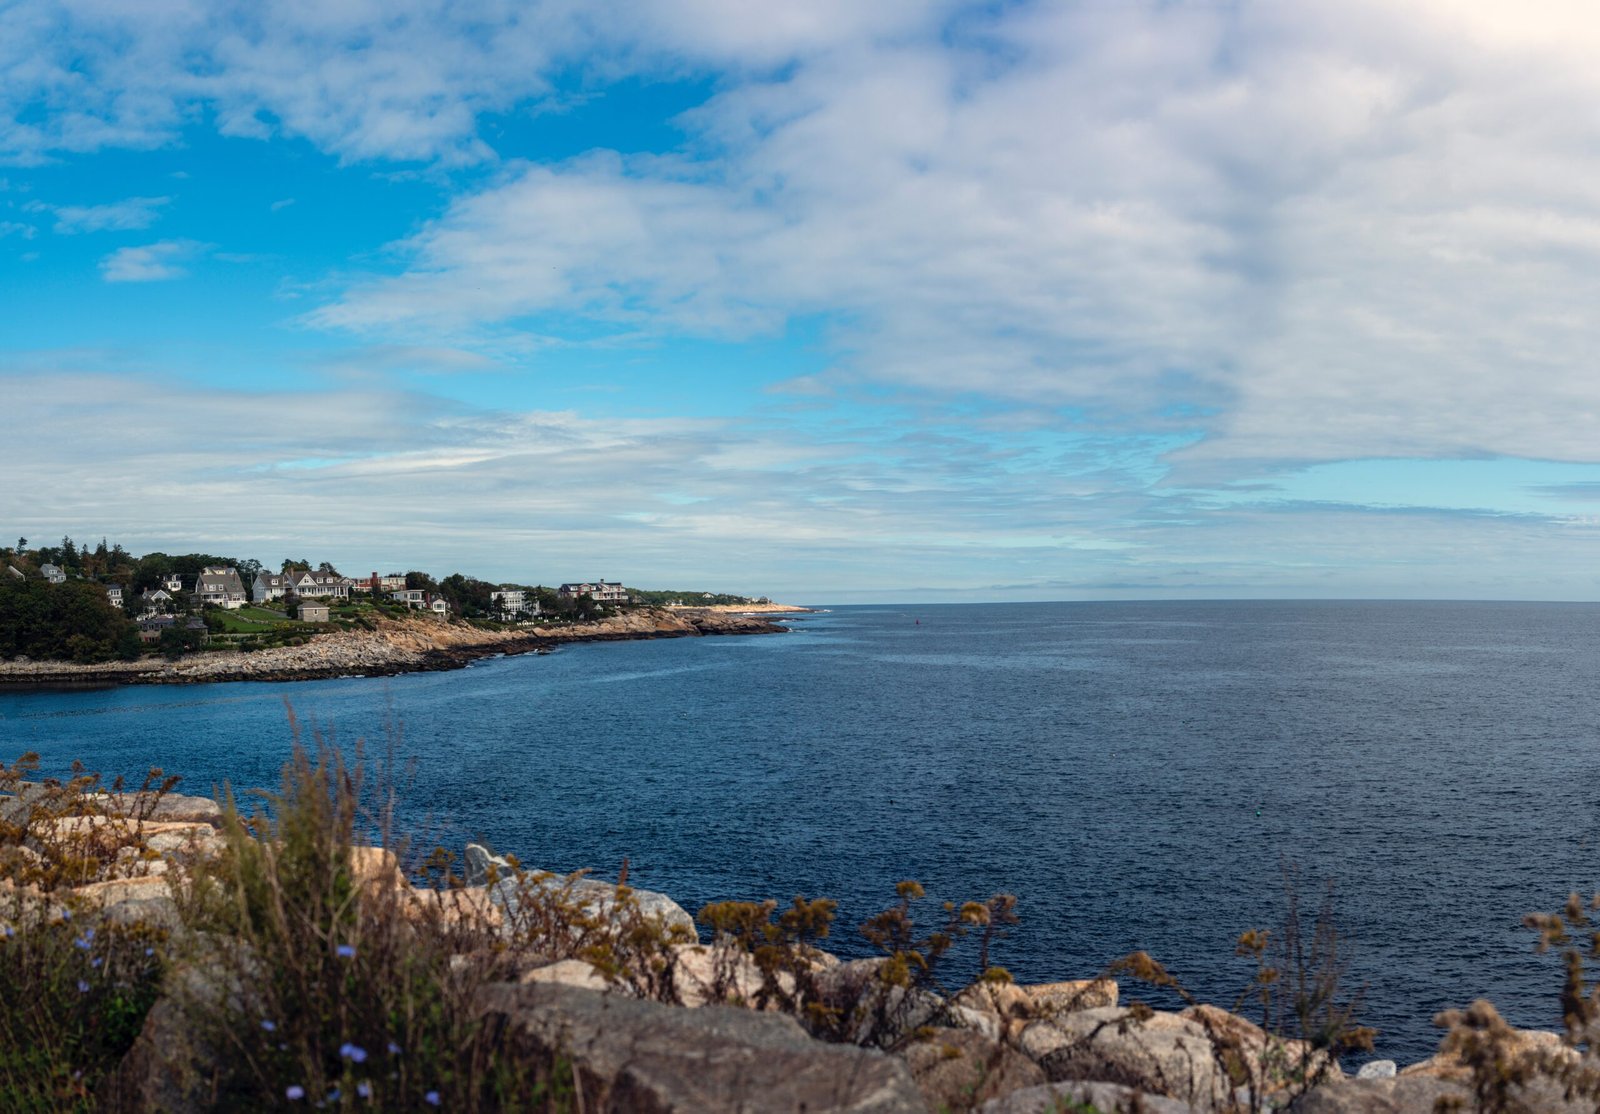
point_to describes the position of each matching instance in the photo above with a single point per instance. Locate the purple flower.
(294, 1092)
(394, 1049)
(345, 951)
(269, 1026)
(353, 1052)
(96, 961)
(149, 951)
(83, 987)
(364, 1090)
(431, 1098)
(66, 914)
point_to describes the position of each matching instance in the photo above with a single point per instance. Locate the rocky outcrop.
(633, 1057)
(616, 983)
(959, 1069)
(509, 888)
(1158, 1053)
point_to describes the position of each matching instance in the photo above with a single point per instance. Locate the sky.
(827, 301)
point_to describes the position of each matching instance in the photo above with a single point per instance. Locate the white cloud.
(756, 504)
(150, 263)
(1324, 232)
(118, 216)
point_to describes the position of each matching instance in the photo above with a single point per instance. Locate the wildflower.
(294, 1092)
(333, 1095)
(83, 987)
(364, 1090)
(66, 914)
(394, 1049)
(345, 951)
(353, 1052)
(269, 1026)
(431, 1098)
(149, 951)
(96, 961)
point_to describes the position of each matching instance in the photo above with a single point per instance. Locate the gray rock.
(636, 1057)
(1377, 1069)
(1409, 1095)
(957, 1069)
(476, 862)
(1109, 1098)
(882, 1016)
(194, 810)
(1163, 1055)
(508, 891)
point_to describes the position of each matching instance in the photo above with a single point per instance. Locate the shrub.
(333, 982)
(74, 991)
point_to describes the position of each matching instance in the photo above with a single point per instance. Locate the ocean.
(1140, 775)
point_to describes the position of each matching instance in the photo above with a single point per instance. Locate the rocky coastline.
(727, 1032)
(411, 645)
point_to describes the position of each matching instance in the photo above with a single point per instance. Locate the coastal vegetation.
(62, 622)
(168, 952)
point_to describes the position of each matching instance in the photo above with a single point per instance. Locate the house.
(114, 594)
(220, 585)
(439, 605)
(313, 613)
(150, 627)
(411, 597)
(152, 601)
(390, 582)
(173, 582)
(268, 586)
(512, 603)
(600, 592)
(54, 574)
(196, 623)
(317, 585)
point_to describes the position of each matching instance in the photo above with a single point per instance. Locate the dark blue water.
(1136, 773)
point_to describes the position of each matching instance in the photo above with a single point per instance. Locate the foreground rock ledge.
(635, 1057)
(998, 1048)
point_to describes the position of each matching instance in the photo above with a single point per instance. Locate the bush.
(73, 993)
(336, 983)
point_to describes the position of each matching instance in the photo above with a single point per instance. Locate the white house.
(114, 594)
(268, 586)
(439, 606)
(173, 582)
(154, 600)
(53, 574)
(317, 585)
(411, 597)
(512, 603)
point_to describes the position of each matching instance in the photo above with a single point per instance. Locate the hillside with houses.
(97, 604)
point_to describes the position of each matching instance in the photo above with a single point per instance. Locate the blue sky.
(826, 301)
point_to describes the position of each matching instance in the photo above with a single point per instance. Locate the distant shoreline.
(412, 645)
